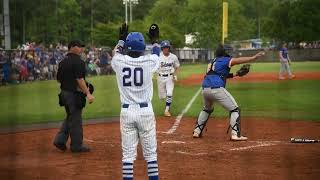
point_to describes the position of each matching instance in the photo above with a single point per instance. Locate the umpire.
(74, 91)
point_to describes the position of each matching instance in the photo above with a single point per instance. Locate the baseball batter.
(134, 73)
(167, 74)
(214, 92)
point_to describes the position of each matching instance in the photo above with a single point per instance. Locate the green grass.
(290, 100)
(188, 69)
(295, 66)
(37, 101)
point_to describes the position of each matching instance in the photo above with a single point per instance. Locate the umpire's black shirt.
(70, 69)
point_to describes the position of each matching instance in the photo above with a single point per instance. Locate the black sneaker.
(81, 149)
(61, 147)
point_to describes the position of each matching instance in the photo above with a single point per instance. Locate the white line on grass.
(179, 117)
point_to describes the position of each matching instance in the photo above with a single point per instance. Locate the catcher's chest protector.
(220, 70)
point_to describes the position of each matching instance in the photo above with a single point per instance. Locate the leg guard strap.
(237, 126)
(202, 125)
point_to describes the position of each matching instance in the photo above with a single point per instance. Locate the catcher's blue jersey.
(218, 73)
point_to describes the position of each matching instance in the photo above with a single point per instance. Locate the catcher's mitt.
(123, 32)
(243, 70)
(153, 33)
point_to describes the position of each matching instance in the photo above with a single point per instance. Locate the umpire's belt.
(142, 105)
(165, 75)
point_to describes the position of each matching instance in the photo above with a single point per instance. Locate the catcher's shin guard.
(235, 124)
(201, 122)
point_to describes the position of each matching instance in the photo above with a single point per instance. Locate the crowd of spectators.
(31, 62)
(312, 45)
(304, 45)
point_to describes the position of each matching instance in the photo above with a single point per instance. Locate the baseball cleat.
(196, 135)
(167, 114)
(82, 149)
(61, 147)
(282, 78)
(236, 138)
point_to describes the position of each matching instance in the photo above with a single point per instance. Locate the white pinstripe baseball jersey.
(168, 63)
(134, 77)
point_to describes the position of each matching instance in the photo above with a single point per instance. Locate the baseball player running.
(214, 92)
(137, 121)
(167, 74)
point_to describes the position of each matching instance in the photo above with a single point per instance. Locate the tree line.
(97, 21)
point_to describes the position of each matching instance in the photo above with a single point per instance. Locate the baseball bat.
(304, 140)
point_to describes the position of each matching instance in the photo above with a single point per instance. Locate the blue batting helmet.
(135, 42)
(165, 43)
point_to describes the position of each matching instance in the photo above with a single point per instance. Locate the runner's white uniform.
(134, 78)
(165, 75)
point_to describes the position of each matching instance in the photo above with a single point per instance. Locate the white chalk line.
(191, 154)
(232, 149)
(173, 142)
(259, 144)
(179, 117)
(99, 142)
(273, 141)
(252, 146)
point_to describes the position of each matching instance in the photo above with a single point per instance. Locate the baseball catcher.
(214, 91)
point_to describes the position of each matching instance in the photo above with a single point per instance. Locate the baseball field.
(272, 111)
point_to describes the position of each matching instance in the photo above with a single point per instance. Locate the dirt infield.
(267, 155)
(196, 79)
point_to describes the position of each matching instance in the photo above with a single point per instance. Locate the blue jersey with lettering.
(284, 53)
(218, 73)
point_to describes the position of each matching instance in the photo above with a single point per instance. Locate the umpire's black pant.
(72, 125)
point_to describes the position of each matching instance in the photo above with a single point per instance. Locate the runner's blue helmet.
(165, 43)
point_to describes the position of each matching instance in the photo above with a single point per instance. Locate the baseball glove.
(123, 32)
(243, 70)
(153, 33)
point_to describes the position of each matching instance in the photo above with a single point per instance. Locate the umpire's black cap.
(74, 43)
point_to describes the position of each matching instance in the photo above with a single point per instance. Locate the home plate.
(173, 142)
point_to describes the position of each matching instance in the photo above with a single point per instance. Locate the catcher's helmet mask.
(224, 51)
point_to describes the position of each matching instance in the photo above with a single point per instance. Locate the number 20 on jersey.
(132, 76)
